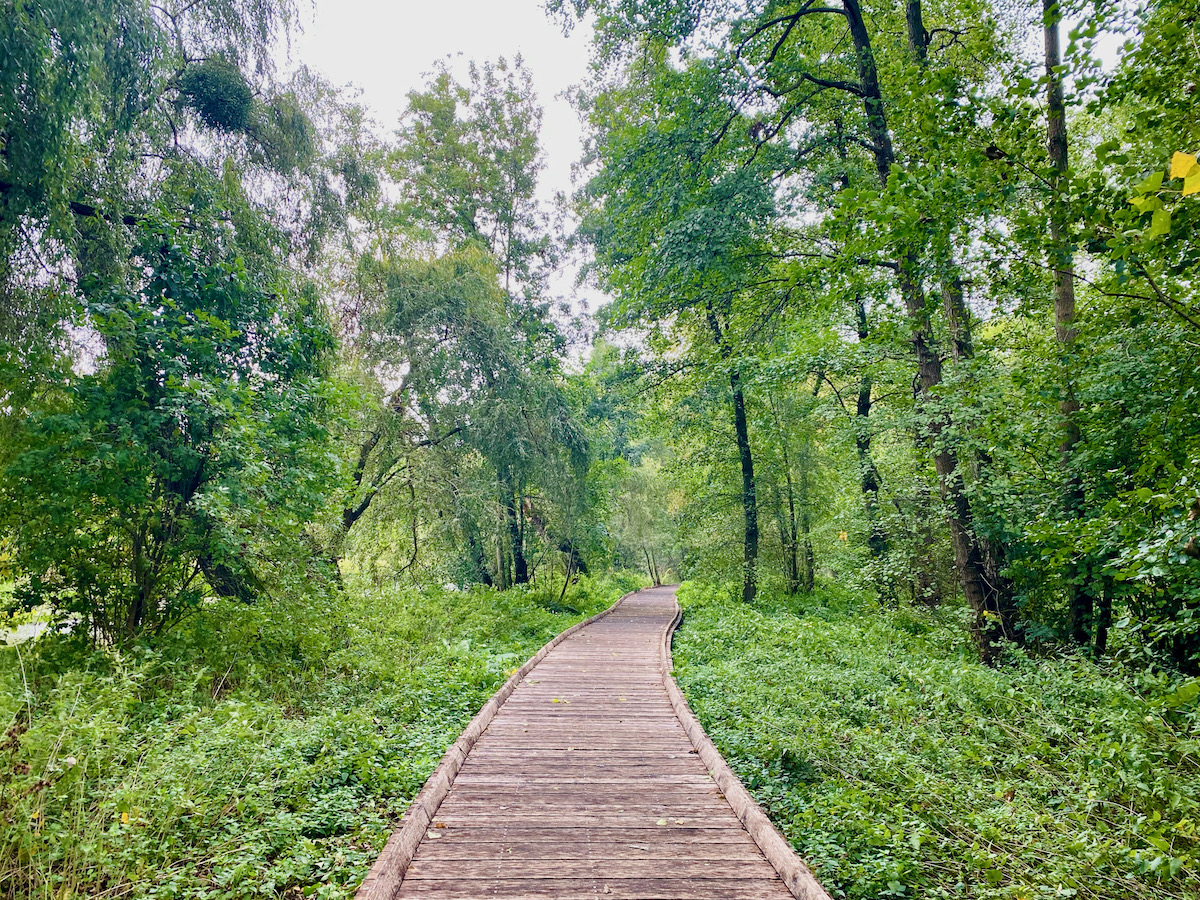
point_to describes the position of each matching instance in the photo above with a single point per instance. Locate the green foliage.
(198, 433)
(467, 160)
(218, 92)
(255, 751)
(899, 766)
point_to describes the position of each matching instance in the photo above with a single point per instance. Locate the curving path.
(587, 776)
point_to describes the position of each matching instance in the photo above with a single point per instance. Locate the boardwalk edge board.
(385, 877)
(796, 876)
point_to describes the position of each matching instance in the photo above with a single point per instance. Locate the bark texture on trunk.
(1081, 599)
(918, 37)
(869, 481)
(749, 496)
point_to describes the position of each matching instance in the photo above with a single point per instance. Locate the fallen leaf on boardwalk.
(439, 824)
(679, 821)
(639, 847)
(606, 890)
(432, 834)
(661, 822)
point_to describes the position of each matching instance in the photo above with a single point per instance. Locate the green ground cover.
(257, 751)
(899, 766)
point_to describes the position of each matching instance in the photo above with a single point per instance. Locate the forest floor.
(898, 766)
(258, 752)
(268, 751)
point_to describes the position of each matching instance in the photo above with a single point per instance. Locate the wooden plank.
(605, 888)
(535, 850)
(649, 865)
(469, 833)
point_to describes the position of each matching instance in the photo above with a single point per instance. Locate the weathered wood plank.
(695, 888)
(647, 866)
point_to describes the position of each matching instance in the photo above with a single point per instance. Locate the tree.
(194, 447)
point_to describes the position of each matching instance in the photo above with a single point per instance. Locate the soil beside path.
(586, 784)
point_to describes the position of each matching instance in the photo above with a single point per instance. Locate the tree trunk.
(795, 580)
(749, 498)
(962, 346)
(1080, 593)
(992, 610)
(508, 501)
(520, 564)
(926, 590)
(877, 539)
(918, 37)
(807, 573)
(651, 568)
(787, 541)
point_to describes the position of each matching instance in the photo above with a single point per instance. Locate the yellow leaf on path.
(1191, 184)
(661, 822)
(1182, 165)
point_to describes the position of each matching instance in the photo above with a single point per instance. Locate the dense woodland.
(301, 450)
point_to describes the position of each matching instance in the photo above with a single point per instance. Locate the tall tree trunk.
(508, 501)
(520, 564)
(1080, 593)
(651, 567)
(787, 541)
(789, 537)
(918, 37)
(962, 345)
(795, 581)
(807, 573)
(926, 590)
(749, 497)
(992, 611)
(995, 554)
(503, 540)
(877, 539)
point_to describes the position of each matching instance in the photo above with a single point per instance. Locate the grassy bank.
(900, 767)
(255, 752)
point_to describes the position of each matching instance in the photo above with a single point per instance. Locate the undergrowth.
(898, 766)
(255, 752)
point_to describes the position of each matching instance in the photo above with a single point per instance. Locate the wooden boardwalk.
(584, 782)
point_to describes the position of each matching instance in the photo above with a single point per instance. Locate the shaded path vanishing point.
(587, 775)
